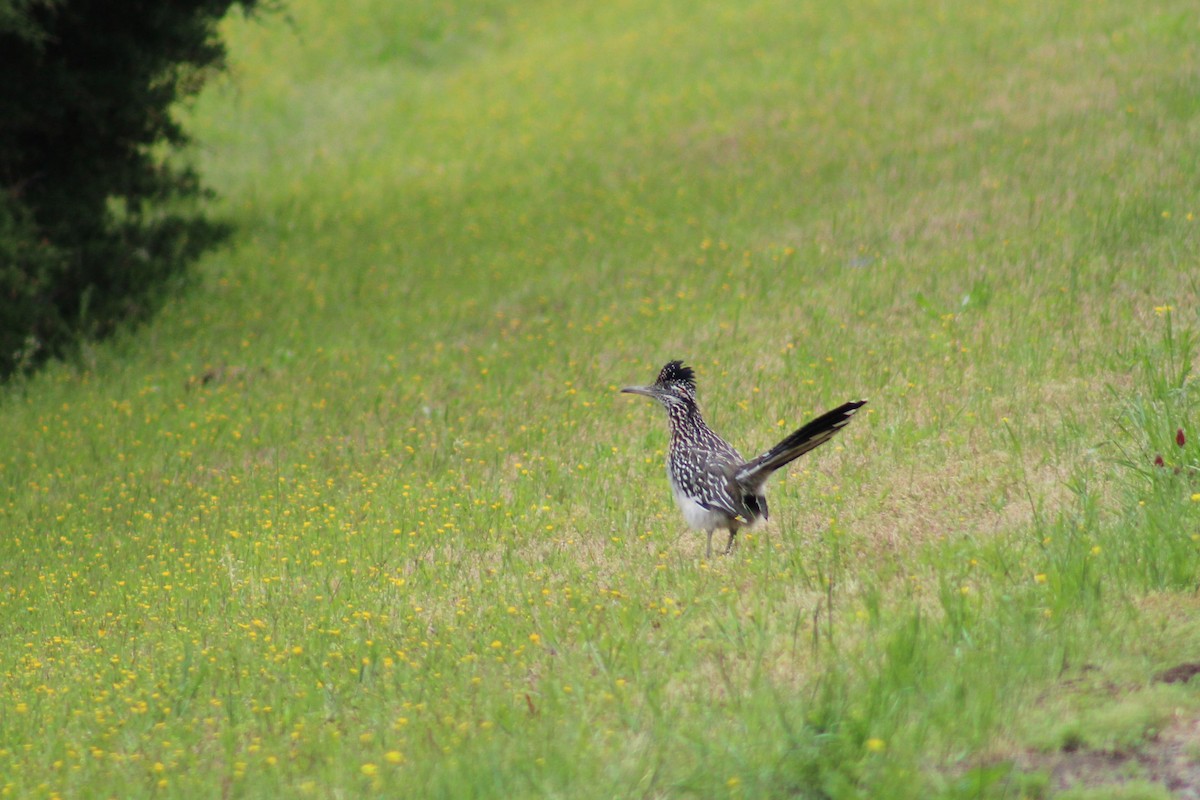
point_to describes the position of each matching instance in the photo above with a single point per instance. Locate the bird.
(712, 484)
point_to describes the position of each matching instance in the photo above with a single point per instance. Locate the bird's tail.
(807, 437)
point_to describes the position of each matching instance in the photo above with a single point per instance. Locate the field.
(363, 513)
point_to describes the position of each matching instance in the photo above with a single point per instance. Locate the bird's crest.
(676, 372)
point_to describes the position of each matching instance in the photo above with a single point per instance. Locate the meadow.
(362, 512)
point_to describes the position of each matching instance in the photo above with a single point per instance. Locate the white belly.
(699, 517)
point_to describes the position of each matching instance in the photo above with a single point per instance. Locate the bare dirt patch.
(1172, 759)
(1181, 673)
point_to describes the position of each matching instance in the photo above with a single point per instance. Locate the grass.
(363, 513)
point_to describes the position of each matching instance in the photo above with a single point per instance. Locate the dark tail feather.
(807, 437)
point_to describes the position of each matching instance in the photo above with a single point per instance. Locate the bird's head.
(675, 387)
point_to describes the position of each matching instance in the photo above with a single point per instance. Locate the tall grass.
(363, 512)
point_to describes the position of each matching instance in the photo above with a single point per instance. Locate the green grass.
(362, 512)
(1120, 726)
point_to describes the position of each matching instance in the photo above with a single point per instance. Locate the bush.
(93, 218)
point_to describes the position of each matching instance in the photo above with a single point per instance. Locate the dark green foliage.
(93, 219)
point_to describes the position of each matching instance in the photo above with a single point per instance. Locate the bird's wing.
(718, 490)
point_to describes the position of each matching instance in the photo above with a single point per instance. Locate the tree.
(92, 223)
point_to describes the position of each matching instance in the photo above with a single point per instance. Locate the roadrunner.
(713, 485)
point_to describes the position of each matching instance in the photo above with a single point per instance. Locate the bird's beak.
(647, 391)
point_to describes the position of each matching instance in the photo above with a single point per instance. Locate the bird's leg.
(732, 541)
(708, 552)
